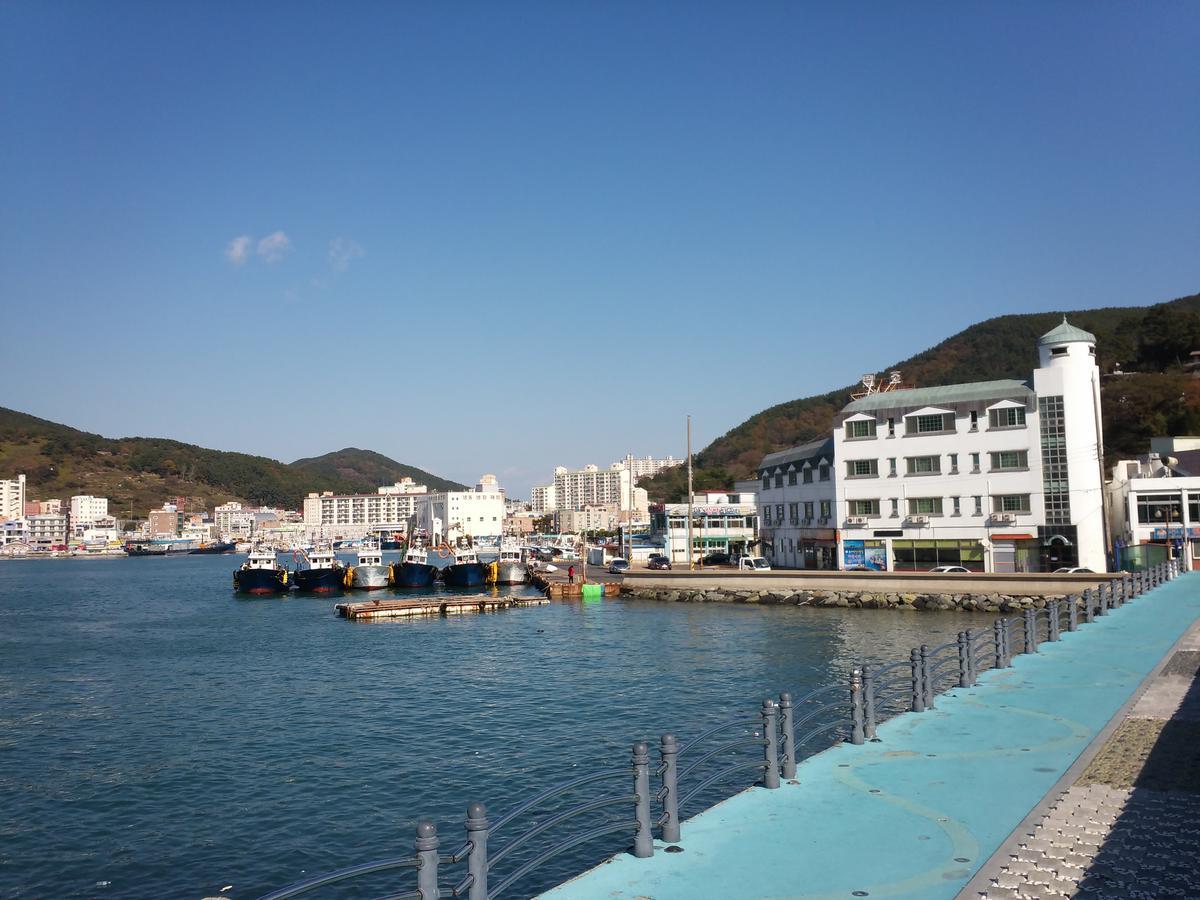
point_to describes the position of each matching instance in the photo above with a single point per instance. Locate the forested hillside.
(1150, 344)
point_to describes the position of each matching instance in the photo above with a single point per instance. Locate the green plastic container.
(593, 591)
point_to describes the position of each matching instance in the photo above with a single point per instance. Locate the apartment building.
(12, 497)
(797, 506)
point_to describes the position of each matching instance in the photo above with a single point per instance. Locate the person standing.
(570, 574)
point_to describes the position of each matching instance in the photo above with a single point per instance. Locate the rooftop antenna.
(872, 385)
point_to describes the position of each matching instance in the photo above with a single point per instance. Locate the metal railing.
(759, 748)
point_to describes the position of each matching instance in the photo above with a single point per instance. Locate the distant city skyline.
(500, 239)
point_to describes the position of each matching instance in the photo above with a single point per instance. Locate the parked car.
(715, 559)
(658, 562)
(955, 570)
(753, 564)
(618, 566)
(1074, 570)
(654, 556)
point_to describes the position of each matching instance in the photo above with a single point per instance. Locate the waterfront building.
(1154, 505)
(647, 467)
(544, 500)
(164, 522)
(520, 524)
(593, 486)
(405, 486)
(797, 505)
(86, 510)
(477, 513)
(47, 532)
(352, 515)
(12, 497)
(722, 522)
(49, 507)
(606, 517)
(14, 532)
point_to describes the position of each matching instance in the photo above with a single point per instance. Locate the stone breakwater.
(903, 600)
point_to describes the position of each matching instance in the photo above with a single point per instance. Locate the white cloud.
(342, 251)
(274, 247)
(238, 249)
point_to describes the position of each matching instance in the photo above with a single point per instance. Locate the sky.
(501, 237)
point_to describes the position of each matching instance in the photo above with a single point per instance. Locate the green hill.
(138, 474)
(1151, 342)
(367, 470)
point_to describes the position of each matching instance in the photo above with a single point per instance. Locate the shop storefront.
(859, 555)
(1015, 553)
(921, 556)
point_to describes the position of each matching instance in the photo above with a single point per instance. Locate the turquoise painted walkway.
(952, 782)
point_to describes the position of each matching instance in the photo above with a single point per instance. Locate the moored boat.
(261, 574)
(508, 568)
(466, 571)
(415, 571)
(325, 572)
(215, 547)
(369, 573)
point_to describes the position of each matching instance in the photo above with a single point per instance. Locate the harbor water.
(161, 736)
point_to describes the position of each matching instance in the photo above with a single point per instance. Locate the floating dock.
(430, 606)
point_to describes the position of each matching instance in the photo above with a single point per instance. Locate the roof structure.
(1066, 333)
(942, 395)
(811, 450)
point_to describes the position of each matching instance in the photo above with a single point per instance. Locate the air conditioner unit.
(918, 520)
(1005, 517)
(856, 520)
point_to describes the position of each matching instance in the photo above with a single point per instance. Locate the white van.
(753, 564)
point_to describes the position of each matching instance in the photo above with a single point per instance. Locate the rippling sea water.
(162, 737)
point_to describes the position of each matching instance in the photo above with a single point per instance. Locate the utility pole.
(689, 492)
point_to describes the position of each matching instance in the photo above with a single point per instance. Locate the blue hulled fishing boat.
(261, 574)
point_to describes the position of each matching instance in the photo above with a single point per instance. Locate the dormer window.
(1007, 417)
(860, 428)
(1058, 351)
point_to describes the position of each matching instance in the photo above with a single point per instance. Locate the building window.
(779, 513)
(1010, 503)
(957, 509)
(864, 507)
(1055, 485)
(895, 507)
(792, 477)
(1058, 351)
(824, 472)
(1009, 417)
(766, 481)
(953, 463)
(923, 465)
(862, 468)
(766, 515)
(974, 462)
(974, 420)
(778, 479)
(1010, 459)
(793, 512)
(808, 509)
(826, 509)
(891, 427)
(1159, 509)
(808, 476)
(925, 506)
(892, 467)
(932, 424)
(860, 428)
(978, 506)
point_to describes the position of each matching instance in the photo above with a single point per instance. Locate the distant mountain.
(139, 474)
(367, 470)
(1152, 342)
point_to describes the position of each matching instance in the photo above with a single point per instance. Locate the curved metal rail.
(549, 854)
(318, 881)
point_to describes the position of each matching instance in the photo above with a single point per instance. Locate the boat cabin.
(370, 556)
(260, 559)
(322, 559)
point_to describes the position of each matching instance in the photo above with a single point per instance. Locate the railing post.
(972, 659)
(787, 738)
(1008, 643)
(1030, 631)
(1055, 621)
(868, 703)
(670, 788)
(771, 745)
(926, 677)
(643, 840)
(964, 673)
(426, 845)
(477, 856)
(1089, 605)
(1073, 612)
(998, 642)
(856, 708)
(918, 681)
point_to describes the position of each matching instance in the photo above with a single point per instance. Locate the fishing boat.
(214, 547)
(415, 571)
(325, 572)
(369, 573)
(466, 570)
(261, 574)
(508, 567)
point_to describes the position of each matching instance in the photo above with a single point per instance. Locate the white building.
(647, 467)
(797, 506)
(991, 475)
(353, 515)
(593, 486)
(12, 497)
(475, 513)
(1154, 505)
(544, 500)
(722, 522)
(404, 486)
(87, 510)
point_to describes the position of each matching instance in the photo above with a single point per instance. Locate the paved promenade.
(917, 814)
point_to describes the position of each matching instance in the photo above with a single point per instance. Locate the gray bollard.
(787, 738)
(670, 789)
(426, 845)
(926, 677)
(998, 643)
(868, 703)
(1104, 599)
(1006, 631)
(1055, 620)
(1030, 631)
(964, 667)
(918, 681)
(477, 857)
(1089, 604)
(857, 735)
(771, 744)
(1073, 611)
(643, 840)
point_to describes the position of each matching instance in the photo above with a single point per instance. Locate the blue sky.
(499, 237)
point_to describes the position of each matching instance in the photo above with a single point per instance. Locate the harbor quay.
(920, 809)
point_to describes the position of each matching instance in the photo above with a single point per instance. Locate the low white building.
(86, 510)
(722, 522)
(797, 507)
(330, 515)
(1154, 505)
(478, 513)
(543, 499)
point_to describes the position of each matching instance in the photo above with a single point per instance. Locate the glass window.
(824, 472)
(892, 466)
(953, 462)
(792, 477)
(923, 465)
(864, 507)
(974, 420)
(925, 506)
(1159, 509)
(826, 509)
(1011, 503)
(891, 427)
(957, 508)
(779, 479)
(793, 512)
(1010, 459)
(862, 468)
(930, 424)
(860, 428)
(978, 506)
(895, 506)
(808, 476)
(766, 515)
(1010, 417)
(808, 509)
(766, 481)
(974, 462)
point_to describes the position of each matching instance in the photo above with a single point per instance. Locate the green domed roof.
(1065, 334)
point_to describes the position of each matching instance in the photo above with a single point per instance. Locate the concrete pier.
(430, 606)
